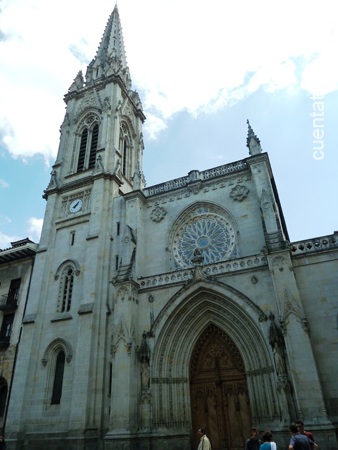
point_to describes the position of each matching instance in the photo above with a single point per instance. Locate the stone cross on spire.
(252, 141)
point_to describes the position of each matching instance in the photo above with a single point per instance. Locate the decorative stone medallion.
(158, 214)
(239, 192)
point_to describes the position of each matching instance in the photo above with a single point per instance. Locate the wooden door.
(218, 392)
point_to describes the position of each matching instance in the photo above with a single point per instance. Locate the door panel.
(219, 399)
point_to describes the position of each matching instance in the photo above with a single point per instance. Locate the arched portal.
(218, 391)
(187, 318)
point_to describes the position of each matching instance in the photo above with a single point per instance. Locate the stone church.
(154, 311)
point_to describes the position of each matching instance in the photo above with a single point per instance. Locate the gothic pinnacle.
(252, 141)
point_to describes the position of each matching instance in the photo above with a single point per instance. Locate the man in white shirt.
(204, 443)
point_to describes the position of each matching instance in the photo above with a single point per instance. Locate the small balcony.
(4, 342)
(8, 303)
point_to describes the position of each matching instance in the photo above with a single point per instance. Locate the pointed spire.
(111, 56)
(252, 141)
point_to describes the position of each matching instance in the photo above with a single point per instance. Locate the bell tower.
(102, 128)
(62, 367)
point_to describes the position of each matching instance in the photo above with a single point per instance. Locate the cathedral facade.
(154, 311)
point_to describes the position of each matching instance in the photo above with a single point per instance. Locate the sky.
(201, 69)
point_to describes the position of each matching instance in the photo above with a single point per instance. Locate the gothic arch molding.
(128, 124)
(177, 332)
(214, 287)
(71, 262)
(54, 346)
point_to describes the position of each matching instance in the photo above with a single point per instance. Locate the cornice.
(81, 183)
(211, 270)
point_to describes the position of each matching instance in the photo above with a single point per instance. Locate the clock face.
(75, 205)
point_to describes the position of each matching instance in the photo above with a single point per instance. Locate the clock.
(75, 205)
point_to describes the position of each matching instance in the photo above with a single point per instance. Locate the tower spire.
(110, 58)
(252, 141)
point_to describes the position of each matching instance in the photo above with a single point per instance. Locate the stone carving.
(239, 193)
(53, 180)
(276, 340)
(158, 213)
(143, 354)
(197, 258)
(98, 164)
(122, 332)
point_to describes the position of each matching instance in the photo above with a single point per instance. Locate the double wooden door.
(218, 392)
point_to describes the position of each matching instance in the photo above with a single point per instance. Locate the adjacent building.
(16, 265)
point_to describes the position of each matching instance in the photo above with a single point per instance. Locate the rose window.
(210, 234)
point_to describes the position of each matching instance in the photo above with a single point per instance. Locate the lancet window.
(57, 354)
(58, 378)
(125, 150)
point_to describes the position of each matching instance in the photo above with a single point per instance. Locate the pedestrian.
(204, 443)
(2, 442)
(300, 426)
(253, 443)
(268, 443)
(300, 441)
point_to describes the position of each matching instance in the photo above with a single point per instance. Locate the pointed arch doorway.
(218, 391)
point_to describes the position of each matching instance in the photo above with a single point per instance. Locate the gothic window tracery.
(88, 144)
(206, 229)
(66, 289)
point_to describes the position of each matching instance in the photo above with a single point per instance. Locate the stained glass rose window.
(207, 232)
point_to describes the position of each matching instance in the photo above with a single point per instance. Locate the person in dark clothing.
(253, 443)
(300, 441)
(2, 442)
(300, 426)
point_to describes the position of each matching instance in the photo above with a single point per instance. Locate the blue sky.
(201, 70)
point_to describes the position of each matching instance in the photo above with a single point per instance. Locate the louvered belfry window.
(93, 146)
(82, 151)
(88, 146)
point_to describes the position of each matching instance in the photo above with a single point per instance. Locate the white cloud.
(33, 232)
(3, 183)
(184, 55)
(5, 240)
(34, 229)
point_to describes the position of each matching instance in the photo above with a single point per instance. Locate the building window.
(93, 146)
(66, 289)
(88, 147)
(58, 378)
(124, 146)
(13, 293)
(3, 397)
(6, 329)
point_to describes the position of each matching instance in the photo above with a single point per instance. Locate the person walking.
(253, 443)
(300, 441)
(204, 443)
(268, 443)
